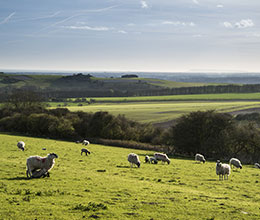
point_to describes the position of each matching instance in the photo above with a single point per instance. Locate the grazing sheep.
(42, 164)
(200, 158)
(85, 142)
(153, 160)
(235, 162)
(147, 159)
(257, 165)
(222, 170)
(21, 145)
(162, 157)
(86, 151)
(133, 159)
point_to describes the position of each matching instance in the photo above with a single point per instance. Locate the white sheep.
(86, 151)
(200, 158)
(40, 166)
(147, 159)
(235, 162)
(257, 165)
(162, 157)
(21, 145)
(134, 159)
(153, 160)
(85, 142)
(222, 170)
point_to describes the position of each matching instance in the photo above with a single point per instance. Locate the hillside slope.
(102, 185)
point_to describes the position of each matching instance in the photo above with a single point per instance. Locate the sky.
(130, 35)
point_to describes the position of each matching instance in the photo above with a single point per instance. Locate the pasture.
(189, 97)
(103, 186)
(157, 112)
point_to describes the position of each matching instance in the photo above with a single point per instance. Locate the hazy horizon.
(208, 36)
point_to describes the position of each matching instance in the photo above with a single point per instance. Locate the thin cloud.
(144, 4)
(220, 6)
(227, 24)
(195, 2)
(39, 18)
(101, 28)
(122, 32)
(101, 9)
(7, 18)
(178, 23)
(82, 12)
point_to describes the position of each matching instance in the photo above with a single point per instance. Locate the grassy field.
(155, 112)
(223, 96)
(103, 186)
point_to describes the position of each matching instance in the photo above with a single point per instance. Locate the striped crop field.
(156, 112)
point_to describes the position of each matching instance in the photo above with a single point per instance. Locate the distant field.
(223, 96)
(155, 112)
(103, 186)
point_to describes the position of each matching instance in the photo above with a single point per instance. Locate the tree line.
(124, 91)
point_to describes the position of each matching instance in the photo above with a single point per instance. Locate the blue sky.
(130, 35)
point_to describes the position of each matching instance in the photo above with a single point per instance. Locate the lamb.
(153, 160)
(86, 151)
(21, 145)
(133, 159)
(85, 142)
(200, 158)
(257, 165)
(147, 159)
(40, 166)
(222, 170)
(235, 162)
(162, 157)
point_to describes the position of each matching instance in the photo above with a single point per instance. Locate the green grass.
(154, 112)
(103, 186)
(210, 97)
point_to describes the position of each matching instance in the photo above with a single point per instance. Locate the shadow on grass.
(212, 180)
(119, 166)
(18, 178)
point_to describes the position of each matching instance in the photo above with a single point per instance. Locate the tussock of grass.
(92, 206)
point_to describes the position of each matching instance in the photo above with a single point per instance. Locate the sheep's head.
(138, 164)
(53, 155)
(218, 163)
(204, 160)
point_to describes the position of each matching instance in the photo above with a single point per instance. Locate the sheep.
(153, 160)
(200, 158)
(133, 159)
(86, 151)
(147, 159)
(42, 164)
(235, 162)
(21, 145)
(257, 165)
(85, 142)
(222, 170)
(162, 157)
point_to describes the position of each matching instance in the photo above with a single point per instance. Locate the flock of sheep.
(40, 166)
(222, 170)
